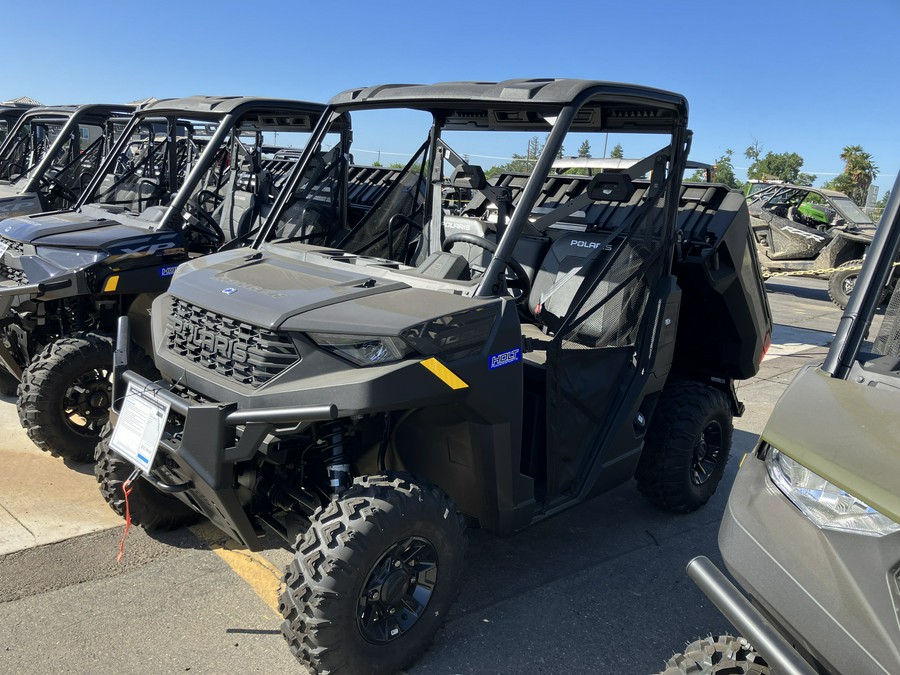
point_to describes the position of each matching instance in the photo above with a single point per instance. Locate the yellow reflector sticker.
(742, 459)
(111, 284)
(446, 375)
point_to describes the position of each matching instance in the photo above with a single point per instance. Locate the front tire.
(686, 447)
(64, 395)
(373, 577)
(843, 281)
(149, 508)
(719, 654)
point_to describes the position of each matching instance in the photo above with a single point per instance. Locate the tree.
(520, 163)
(559, 153)
(880, 205)
(753, 152)
(585, 149)
(859, 172)
(617, 152)
(725, 171)
(779, 166)
(699, 176)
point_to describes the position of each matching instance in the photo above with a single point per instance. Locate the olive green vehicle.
(812, 527)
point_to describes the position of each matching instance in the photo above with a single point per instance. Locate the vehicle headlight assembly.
(70, 258)
(824, 503)
(363, 350)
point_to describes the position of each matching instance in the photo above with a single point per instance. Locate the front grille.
(248, 354)
(8, 272)
(12, 245)
(182, 391)
(18, 276)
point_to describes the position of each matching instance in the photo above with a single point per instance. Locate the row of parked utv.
(240, 323)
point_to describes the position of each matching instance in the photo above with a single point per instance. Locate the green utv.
(812, 527)
(492, 365)
(186, 177)
(811, 231)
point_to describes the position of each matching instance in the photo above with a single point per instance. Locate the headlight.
(70, 258)
(363, 350)
(824, 503)
(455, 335)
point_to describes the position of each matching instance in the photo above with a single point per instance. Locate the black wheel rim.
(848, 284)
(706, 453)
(86, 402)
(397, 590)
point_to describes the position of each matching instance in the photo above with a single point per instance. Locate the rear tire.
(686, 447)
(719, 654)
(149, 508)
(373, 577)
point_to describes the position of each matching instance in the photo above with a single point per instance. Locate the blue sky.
(796, 75)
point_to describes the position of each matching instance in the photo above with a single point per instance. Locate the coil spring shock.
(75, 316)
(331, 445)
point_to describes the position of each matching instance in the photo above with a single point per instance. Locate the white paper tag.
(140, 427)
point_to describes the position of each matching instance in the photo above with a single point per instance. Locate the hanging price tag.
(140, 427)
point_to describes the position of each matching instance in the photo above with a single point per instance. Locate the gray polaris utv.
(52, 153)
(812, 527)
(186, 177)
(366, 398)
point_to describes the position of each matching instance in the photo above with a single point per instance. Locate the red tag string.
(126, 490)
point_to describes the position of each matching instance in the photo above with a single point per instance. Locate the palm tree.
(860, 171)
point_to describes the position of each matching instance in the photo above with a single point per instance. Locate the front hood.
(78, 230)
(318, 289)
(16, 203)
(861, 232)
(265, 288)
(845, 432)
(30, 230)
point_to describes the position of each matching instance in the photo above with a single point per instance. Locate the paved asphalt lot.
(598, 589)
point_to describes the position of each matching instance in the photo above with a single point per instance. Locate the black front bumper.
(197, 457)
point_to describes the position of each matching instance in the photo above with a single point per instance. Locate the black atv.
(811, 231)
(551, 338)
(186, 177)
(52, 153)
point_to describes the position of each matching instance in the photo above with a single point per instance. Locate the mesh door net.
(591, 362)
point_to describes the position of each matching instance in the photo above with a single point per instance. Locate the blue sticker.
(505, 358)
(167, 271)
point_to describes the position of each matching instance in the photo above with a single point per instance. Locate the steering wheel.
(486, 244)
(54, 185)
(157, 191)
(202, 223)
(206, 198)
